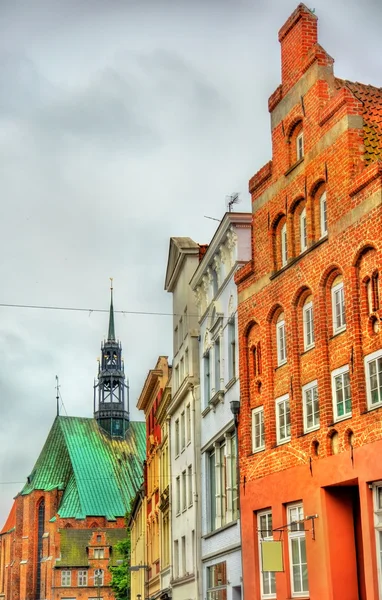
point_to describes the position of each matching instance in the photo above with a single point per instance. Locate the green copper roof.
(111, 334)
(98, 474)
(74, 543)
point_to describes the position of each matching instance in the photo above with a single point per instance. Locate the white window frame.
(177, 498)
(82, 577)
(190, 496)
(306, 389)
(296, 531)
(300, 145)
(323, 215)
(308, 318)
(99, 553)
(335, 374)
(266, 538)
(284, 245)
(184, 490)
(370, 358)
(303, 232)
(338, 288)
(281, 348)
(258, 439)
(66, 578)
(283, 400)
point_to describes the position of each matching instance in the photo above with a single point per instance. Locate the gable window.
(310, 406)
(341, 393)
(297, 551)
(82, 578)
(281, 340)
(338, 306)
(283, 431)
(303, 233)
(307, 312)
(66, 578)
(300, 145)
(323, 216)
(284, 245)
(258, 440)
(373, 373)
(267, 578)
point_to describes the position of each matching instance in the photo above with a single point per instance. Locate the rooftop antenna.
(232, 200)
(212, 218)
(57, 396)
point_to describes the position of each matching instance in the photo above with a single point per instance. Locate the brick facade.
(325, 197)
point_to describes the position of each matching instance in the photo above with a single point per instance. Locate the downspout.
(196, 488)
(235, 409)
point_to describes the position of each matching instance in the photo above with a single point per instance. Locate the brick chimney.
(297, 38)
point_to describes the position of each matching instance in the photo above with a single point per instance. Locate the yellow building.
(150, 401)
(164, 494)
(138, 554)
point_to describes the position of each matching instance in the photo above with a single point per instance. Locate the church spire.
(111, 334)
(111, 393)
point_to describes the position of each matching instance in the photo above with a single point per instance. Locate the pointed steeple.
(111, 334)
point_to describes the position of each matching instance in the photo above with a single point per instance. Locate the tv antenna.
(232, 200)
(57, 395)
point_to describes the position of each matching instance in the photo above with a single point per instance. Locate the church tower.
(111, 393)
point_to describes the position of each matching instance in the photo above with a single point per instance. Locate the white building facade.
(215, 291)
(184, 414)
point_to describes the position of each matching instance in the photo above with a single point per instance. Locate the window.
(223, 489)
(178, 495)
(323, 217)
(176, 377)
(217, 582)
(307, 312)
(303, 233)
(281, 341)
(184, 558)
(176, 340)
(297, 551)
(217, 364)
(282, 419)
(181, 370)
(338, 307)
(310, 406)
(207, 383)
(231, 350)
(258, 441)
(82, 578)
(182, 431)
(373, 373)
(98, 553)
(341, 393)
(185, 322)
(184, 490)
(300, 145)
(66, 578)
(177, 440)
(267, 579)
(189, 477)
(284, 245)
(176, 559)
(378, 529)
(188, 423)
(180, 331)
(186, 363)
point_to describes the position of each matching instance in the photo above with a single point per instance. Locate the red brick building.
(310, 312)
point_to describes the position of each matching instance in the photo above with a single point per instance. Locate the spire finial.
(111, 334)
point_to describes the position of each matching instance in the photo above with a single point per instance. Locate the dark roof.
(98, 474)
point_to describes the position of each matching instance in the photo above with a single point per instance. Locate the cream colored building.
(164, 494)
(138, 556)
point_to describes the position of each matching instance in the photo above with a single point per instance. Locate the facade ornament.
(217, 267)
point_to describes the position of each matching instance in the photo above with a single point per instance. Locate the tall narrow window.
(281, 340)
(303, 234)
(231, 350)
(184, 557)
(284, 245)
(373, 372)
(297, 550)
(300, 145)
(176, 559)
(323, 217)
(307, 312)
(283, 419)
(258, 441)
(341, 393)
(310, 406)
(234, 478)
(177, 439)
(338, 307)
(207, 378)
(267, 578)
(189, 478)
(217, 364)
(182, 431)
(184, 490)
(178, 495)
(212, 489)
(188, 423)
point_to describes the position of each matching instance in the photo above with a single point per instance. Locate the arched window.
(281, 340)
(338, 305)
(323, 215)
(303, 232)
(308, 323)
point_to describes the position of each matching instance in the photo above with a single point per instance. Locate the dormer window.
(300, 145)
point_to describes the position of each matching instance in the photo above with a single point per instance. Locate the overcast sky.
(123, 123)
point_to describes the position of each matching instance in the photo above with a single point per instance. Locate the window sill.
(294, 166)
(282, 442)
(216, 398)
(338, 332)
(219, 529)
(206, 411)
(281, 365)
(295, 259)
(231, 383)
(372, 407)
(311, 430)
(306, 350)
(344, 418)
(256, 451)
